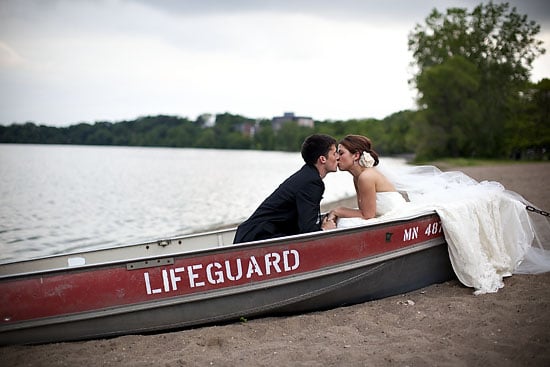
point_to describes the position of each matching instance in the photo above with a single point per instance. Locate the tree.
(264, 139)
(291, 136)
(498, 46)
(397, 130)
(529, 131)
(452, 109)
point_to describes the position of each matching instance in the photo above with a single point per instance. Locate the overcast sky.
(69, 61)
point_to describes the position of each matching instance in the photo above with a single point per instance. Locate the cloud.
(8, 57)
(357, 10)
(67, 61)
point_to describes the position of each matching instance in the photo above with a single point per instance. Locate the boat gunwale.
(294, 239)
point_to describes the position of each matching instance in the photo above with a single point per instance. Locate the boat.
(202, 279)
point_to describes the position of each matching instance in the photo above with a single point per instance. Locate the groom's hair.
(316, 145)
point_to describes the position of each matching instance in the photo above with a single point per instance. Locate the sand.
(441, 325)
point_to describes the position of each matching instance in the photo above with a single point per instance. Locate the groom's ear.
(322, 159)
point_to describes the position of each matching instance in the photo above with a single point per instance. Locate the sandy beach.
(440, 325)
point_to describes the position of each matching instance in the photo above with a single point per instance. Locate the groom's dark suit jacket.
(294, 207)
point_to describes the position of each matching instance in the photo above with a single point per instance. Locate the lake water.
(56, 199)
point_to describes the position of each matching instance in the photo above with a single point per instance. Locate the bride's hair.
(359, 144)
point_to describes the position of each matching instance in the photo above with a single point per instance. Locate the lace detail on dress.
(489, 232)
(488, 237)
(386, 203)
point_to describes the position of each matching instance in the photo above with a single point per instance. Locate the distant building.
(278, 121)
(248, 129)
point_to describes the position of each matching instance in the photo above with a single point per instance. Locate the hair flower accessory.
(366, 160)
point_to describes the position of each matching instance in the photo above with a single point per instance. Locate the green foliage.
(452, 112)
(396, 137)
(389, 135)
(528, 131)
(472, 68)
(290, 137)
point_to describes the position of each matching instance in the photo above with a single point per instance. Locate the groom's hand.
(328, 223)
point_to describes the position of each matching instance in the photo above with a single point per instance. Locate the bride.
(376, 195)
(489, 232)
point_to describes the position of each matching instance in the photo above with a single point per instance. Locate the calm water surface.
(57, 199)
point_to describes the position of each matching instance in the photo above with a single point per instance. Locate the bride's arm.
(343, 212)
(366, 201)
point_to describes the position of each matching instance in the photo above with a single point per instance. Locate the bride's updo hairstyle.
(359, 144)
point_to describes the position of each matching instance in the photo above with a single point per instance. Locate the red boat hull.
(286, 275)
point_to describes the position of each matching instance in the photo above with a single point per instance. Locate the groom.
(294, 207)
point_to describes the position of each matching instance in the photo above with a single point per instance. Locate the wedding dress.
(489, 232)
(386, 203)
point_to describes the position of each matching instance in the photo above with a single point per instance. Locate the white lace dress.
(386, 203)
(489, 232)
